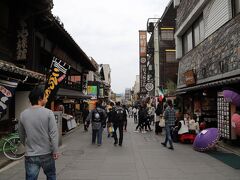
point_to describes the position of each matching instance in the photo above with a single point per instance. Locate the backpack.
(120, 114)
(96, 116)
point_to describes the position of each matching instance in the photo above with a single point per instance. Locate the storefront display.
(209, 111)
(223, 115)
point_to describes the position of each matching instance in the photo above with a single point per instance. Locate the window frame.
(196, 24)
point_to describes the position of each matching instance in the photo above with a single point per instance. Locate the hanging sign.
(7, 89)
(143, 61)
(58, 72)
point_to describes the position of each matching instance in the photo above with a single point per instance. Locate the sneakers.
(171, 148)
(144, 132)
(164, 144)
(136, 131)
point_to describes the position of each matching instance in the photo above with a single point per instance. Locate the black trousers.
(140, 124)
(120, 129)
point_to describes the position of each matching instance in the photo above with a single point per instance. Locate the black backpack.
(120, 114)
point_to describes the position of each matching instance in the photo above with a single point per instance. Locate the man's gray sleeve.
(21, 131)
(53, 132)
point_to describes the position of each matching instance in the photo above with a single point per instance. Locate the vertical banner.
(7, 89)
(58, 72)
(143, 62)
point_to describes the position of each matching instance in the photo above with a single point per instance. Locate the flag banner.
(7, 89)
(58, 71)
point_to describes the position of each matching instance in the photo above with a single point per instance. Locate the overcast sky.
(107, 30)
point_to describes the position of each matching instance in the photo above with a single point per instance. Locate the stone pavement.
(141, 157)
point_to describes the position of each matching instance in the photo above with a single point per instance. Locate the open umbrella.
(206, 139)
(232, 97)
(236, 123)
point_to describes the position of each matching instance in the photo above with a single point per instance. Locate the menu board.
(223, 114)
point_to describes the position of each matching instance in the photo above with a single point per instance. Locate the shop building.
(207, 47)
(161, 51)
(30, 37)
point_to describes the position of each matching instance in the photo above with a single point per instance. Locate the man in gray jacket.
(39, 134)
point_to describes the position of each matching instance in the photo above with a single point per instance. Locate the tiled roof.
(10, 67)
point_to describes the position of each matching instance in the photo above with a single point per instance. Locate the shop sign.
(92, 91)
(7, 89)
(143, 61)
(58, 72)
(189, 78)
(22, 38)
(149, 86)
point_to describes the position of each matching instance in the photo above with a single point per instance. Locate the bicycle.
(12, 147)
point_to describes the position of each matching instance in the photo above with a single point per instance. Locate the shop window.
(4, 15)
(167, 34)
(170, 56)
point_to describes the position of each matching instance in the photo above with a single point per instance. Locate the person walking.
(159, 112)
(110, 120)
(38, 132)
(125, 117)
(85, 113)
(98, 119)
(142, 117)
(135, 111)
(119, 116)
(170, 118)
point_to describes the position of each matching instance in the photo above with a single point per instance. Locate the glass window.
(167, 35)
(201, 28)
(196, 31)
(170, 56)
(189, 40)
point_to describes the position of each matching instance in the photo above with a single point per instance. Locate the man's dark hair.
(111, 103)
(118, 103)
(36, 94)
(169, 102)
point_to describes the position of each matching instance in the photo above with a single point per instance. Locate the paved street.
(142, 157)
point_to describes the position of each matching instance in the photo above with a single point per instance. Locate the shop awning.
(72, 94)
(209, 85)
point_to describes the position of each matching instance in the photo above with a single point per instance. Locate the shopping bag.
(110, 129)
(162, 122)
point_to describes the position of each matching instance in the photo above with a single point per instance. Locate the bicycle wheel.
(13, 148)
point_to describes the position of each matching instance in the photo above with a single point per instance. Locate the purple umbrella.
(206, 139)
(232, 96)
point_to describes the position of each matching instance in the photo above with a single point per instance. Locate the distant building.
(128, 94)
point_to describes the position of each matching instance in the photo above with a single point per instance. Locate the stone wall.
(216, 56)
(184, 9)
